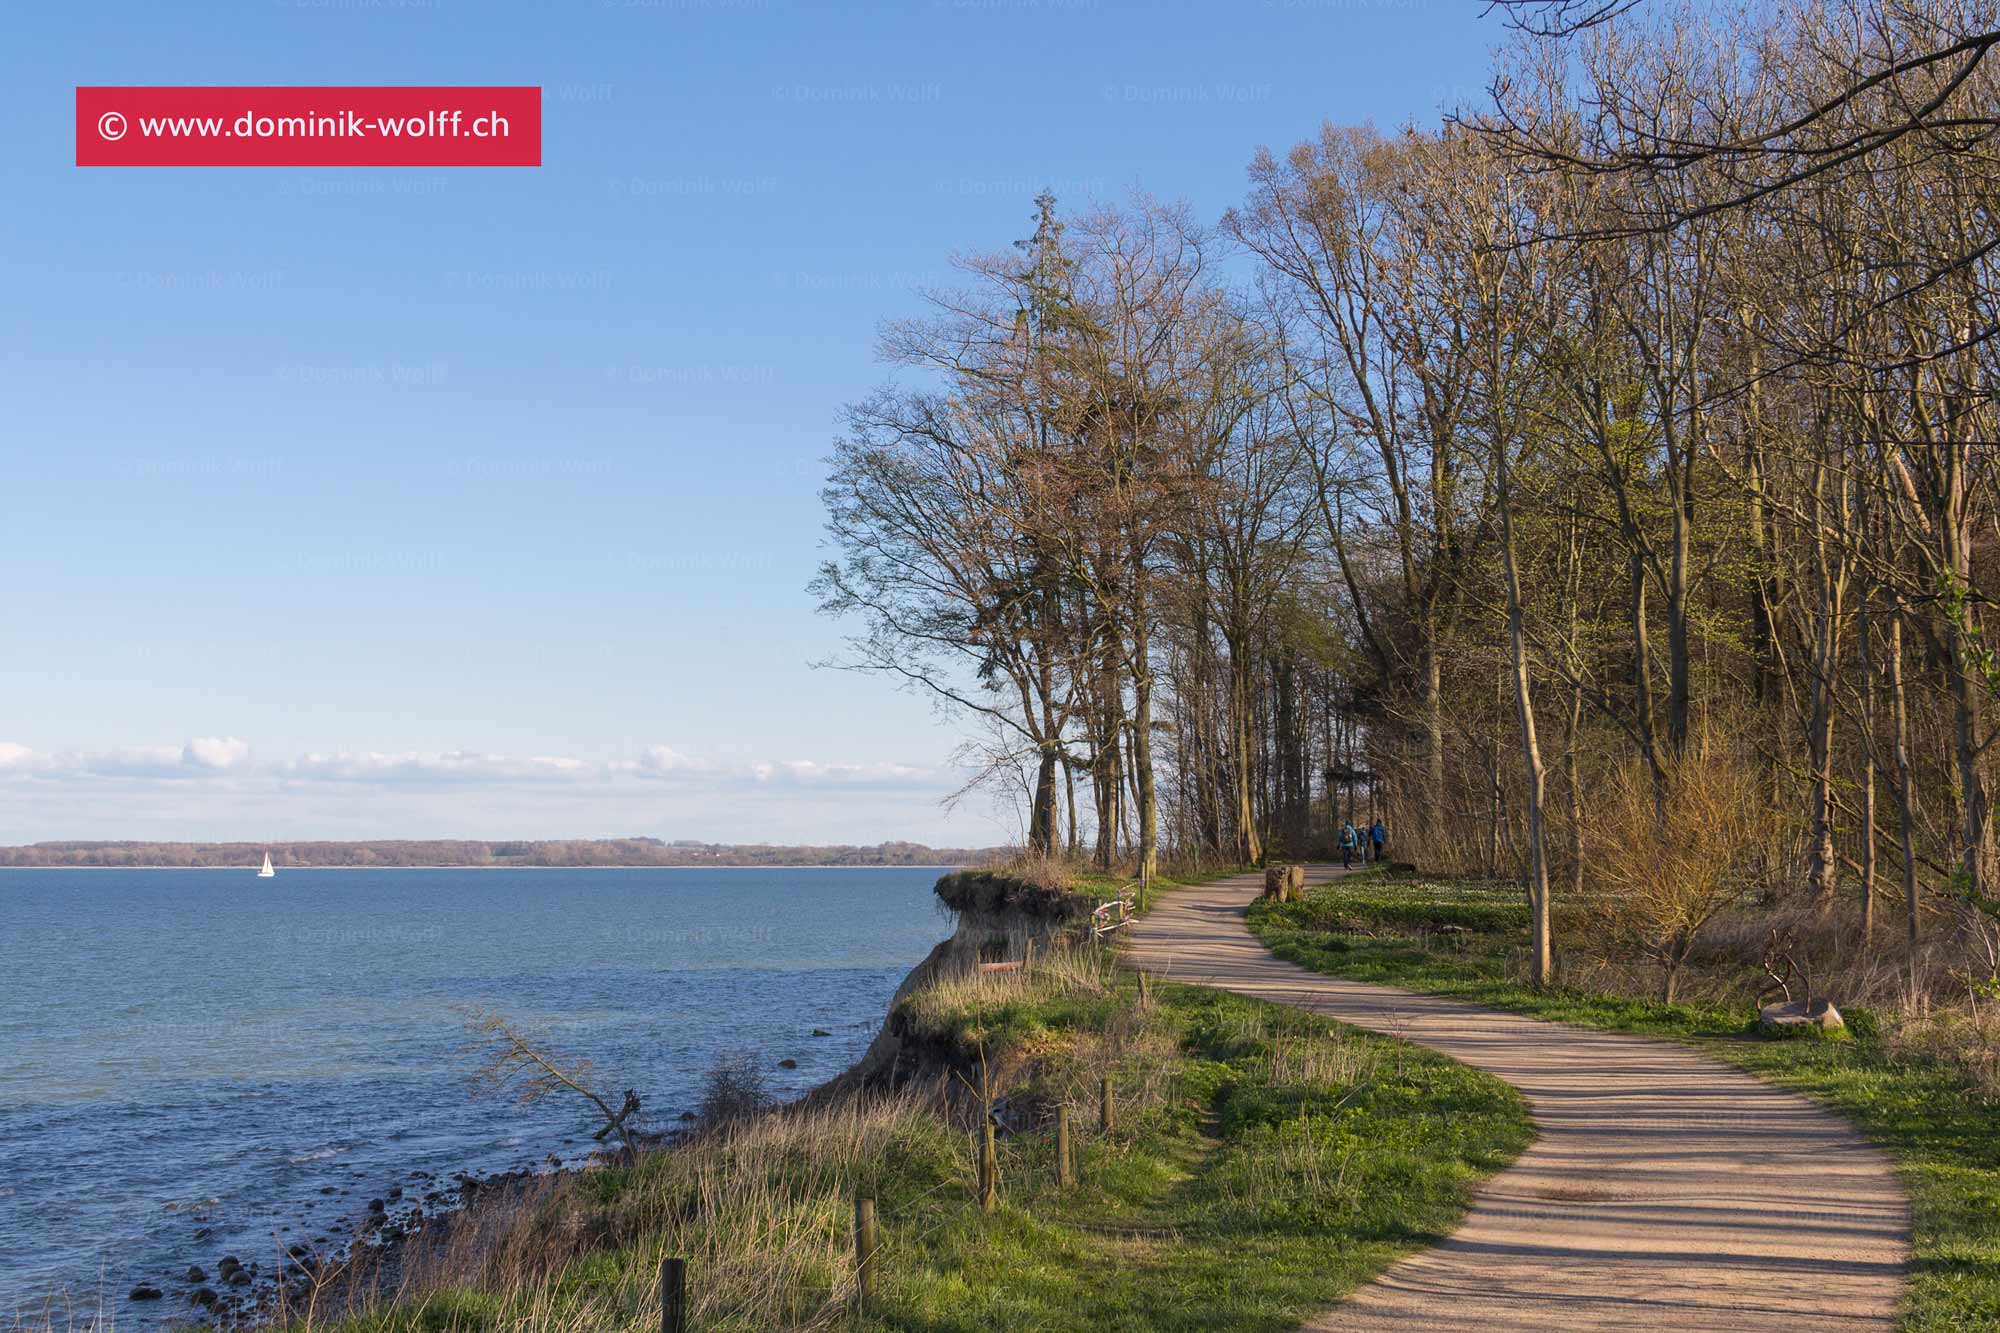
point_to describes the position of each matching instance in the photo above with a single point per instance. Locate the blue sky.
(482, 502)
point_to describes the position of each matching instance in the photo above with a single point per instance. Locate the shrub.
(734, 1088)
(1676, 849)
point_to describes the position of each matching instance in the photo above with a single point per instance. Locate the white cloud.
(217, 788)
(812, 773)
(660, 782)
(450, 767)
(657, 761)
(217, 752)
(663, 761)
(202, 757)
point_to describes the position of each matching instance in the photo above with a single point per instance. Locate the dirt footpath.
(1666, 1192)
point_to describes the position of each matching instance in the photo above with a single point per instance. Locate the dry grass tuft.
(1326, 1061)
(1055, 873)
(759, 1208)
(1058, 973)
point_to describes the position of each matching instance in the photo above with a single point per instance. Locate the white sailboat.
(266, 872)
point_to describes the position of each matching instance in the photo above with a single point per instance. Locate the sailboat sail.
(266, 872)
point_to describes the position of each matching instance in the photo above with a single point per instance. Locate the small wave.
(318, 1156)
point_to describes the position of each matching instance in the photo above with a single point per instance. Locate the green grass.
(1945, 1139)
(1265, 1162)
(1278, 1162)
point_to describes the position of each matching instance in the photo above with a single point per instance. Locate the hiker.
(1379, 836)
(1349, 839)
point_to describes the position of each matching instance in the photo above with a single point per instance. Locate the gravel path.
(1666, 1191)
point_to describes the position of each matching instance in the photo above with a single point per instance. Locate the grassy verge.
(1264, 1163)
(1466, 940)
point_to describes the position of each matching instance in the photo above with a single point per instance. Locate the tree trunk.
(1542, 964)
(1069, 785)
(1829, 571)
(1433, 737)
(1680, 685)
(1966, 685)
(1249, 847)
(1899, 721)
(1142, 759)
(1575, 793)
(1286, 744)
(1974, 811)
(1042, 818)
(1870, 740)
(1642, 685)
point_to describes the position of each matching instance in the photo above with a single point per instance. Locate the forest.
(1599, 486)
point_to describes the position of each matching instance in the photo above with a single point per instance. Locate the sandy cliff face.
(998, 916)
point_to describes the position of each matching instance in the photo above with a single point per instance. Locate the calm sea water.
(191, 1060)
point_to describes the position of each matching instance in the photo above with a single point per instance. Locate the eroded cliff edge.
(999, 914)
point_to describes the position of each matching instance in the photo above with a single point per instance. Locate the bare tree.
(517, 1063)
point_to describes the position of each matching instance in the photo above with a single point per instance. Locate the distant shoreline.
(635, 853)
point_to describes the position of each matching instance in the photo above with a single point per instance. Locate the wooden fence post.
(1065, 1163)
(1142, 990)
(1107, 1114)
(673, 1296)
(864, 1250)
(989, 1169)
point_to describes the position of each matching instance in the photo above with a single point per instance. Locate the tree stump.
(1285, 883)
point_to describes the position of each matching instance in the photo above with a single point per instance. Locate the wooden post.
(1142, 990)
(989, 1169)
(864, 1249)
(673, 1296)
(1107, 1113)
(1065, 1164)
(1028, 955)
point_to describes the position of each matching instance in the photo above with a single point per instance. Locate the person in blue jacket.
(1378, 835)
(1349, 840)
